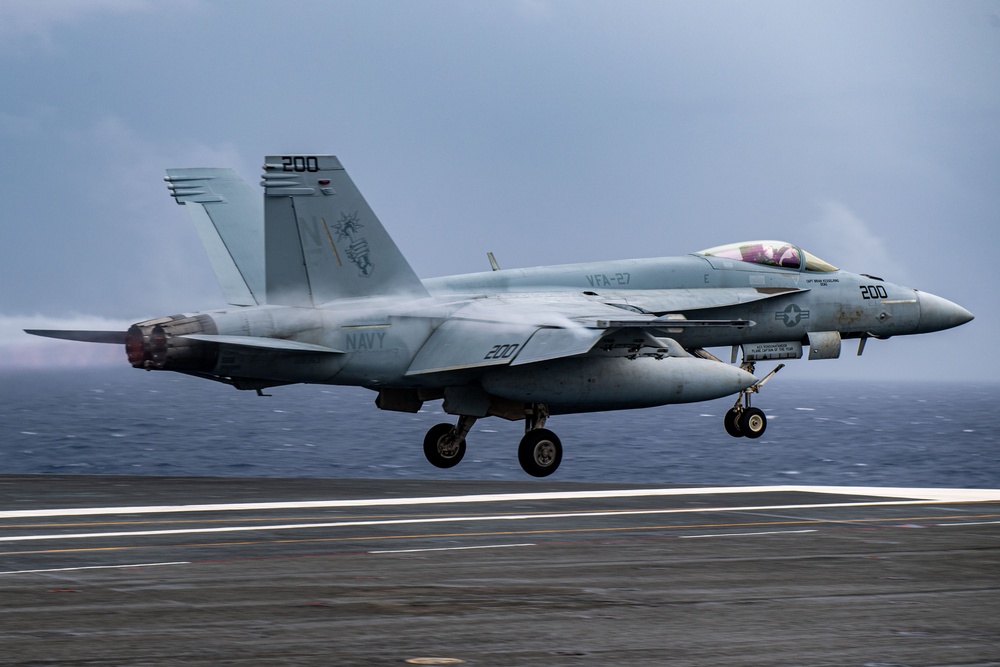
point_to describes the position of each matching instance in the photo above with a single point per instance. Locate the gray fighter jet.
(322, 295)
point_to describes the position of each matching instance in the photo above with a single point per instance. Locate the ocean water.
(124, 421)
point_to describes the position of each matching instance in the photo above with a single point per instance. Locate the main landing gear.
(742, 420)
(539, 453)
(444, 444)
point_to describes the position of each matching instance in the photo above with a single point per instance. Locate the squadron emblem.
(358, 251)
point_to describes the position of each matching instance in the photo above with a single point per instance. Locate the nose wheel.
(732, 422)
(745, 422)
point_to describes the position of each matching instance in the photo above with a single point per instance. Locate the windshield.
(770, 253)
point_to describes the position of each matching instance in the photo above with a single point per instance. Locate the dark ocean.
(123, 421)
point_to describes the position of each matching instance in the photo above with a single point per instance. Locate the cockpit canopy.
(770, 253)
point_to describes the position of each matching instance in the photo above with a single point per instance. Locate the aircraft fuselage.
(321, 294)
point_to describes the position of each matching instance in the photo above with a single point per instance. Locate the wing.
(528, 328)
(462, 344)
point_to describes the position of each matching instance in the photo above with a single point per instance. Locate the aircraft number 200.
(502, 351)
(308, 163)
(873, 292)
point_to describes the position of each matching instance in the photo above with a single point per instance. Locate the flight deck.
(239, 571)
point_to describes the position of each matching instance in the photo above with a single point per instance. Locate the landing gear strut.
(742, 420)
(539, 453)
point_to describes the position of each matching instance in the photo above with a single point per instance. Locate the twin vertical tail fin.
(322, 241)
(316, 239)
(230, 221)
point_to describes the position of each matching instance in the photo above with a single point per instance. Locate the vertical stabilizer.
(230, 221)
(322, 240)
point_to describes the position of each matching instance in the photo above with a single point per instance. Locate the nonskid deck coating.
(145, 570)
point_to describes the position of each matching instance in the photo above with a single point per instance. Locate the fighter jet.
(320, 294)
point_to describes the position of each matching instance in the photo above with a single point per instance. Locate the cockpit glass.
(814, 263)
(770, 253)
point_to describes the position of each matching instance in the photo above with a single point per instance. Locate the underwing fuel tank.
(615, 383)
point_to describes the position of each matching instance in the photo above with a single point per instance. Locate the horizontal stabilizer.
(113, 337)
(262, 343)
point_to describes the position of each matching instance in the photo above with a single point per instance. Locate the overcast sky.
(546, 132)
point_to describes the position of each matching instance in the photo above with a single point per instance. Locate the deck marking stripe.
(484, 546)
(927, 494)
(370, 538)
(447, 519)
(971, 523)
(545, 531)
(96, 567)
(769, 532)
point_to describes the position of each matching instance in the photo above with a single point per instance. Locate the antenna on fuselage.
(493, 261)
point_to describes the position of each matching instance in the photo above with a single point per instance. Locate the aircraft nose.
(937, 314)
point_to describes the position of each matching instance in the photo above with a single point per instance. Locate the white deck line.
(451, 519)
(916, 494)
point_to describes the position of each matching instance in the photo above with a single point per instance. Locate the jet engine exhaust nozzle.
(157, 345)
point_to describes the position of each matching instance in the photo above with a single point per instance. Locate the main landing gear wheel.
(442, 448)
(540, 452)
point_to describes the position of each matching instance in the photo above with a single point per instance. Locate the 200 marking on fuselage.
(502, 351)
(873, 292)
